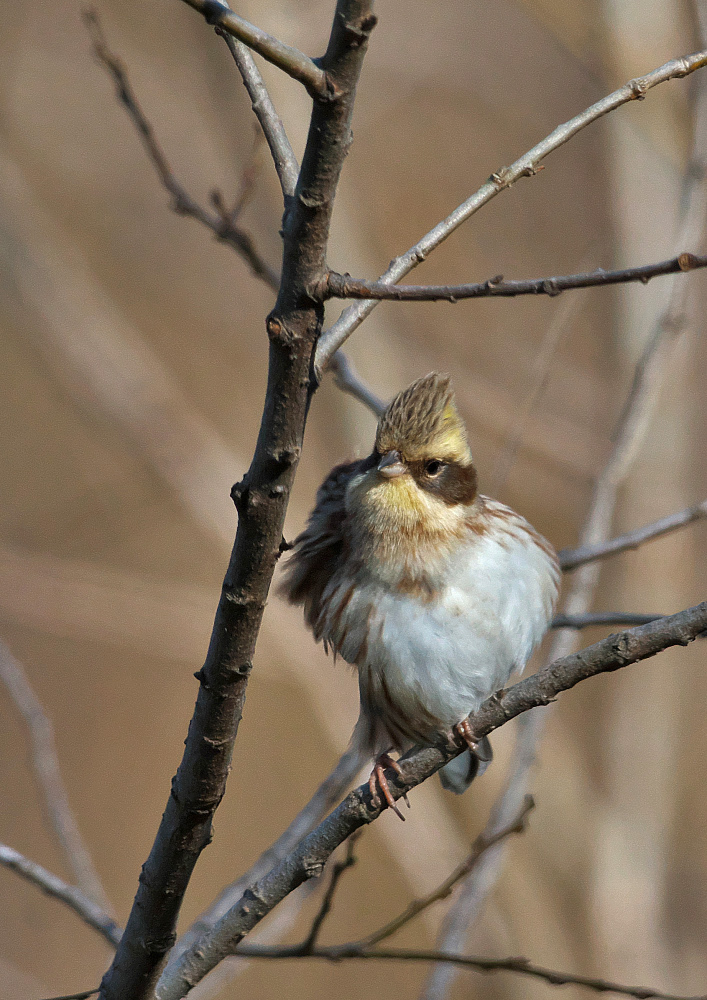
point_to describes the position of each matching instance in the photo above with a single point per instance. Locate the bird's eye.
(434, 467)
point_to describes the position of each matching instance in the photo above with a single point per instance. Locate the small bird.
(433, 591)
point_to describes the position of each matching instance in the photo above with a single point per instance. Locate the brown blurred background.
(133, 369)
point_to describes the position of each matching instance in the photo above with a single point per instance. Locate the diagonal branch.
(270, 122)
(482, 844)
(343, 286)
(290, 60)
(46, 768)
(308, 945)
(526, 166)
(572, 558)
(89, 911)
(307, 860)
(182, 202)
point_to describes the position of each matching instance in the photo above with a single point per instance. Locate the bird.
(434, 592)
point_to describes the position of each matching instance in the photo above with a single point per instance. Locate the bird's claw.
(464, 730)
(378, 781)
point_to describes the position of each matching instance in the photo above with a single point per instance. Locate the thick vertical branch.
(261, 500)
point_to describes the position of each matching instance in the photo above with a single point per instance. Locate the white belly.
(426, 663)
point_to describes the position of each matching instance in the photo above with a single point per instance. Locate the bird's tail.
(458, 774)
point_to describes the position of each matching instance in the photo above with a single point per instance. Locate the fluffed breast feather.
(321, 547)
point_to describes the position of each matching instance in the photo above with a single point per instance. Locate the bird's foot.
(378, 781)
(464, 730)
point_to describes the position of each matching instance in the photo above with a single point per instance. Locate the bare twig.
(345, 287)
(526, 166)
(348, 380)
(182, 202)
(293, 62)
(538, 375)
(307, 860)
(46, 768)
(482, 844)
(221, 223)
(309, 943)
(274, 131)
(261, 499)
(572, 558)
(522, 966)
(79, 902)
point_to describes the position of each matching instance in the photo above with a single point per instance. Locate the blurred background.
(133, 370)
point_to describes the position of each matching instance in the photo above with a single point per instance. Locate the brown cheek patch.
(456, 484)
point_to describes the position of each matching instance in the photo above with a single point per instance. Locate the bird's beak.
(392, 465)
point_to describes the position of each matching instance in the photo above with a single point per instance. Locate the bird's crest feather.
(422, 421)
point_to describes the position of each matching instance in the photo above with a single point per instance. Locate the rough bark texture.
(261, 499)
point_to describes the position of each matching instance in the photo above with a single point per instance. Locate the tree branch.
(48, 773)
(348, 380)
(308, 945)
(526, 166)
(522, 966)
(572, 558)
(261, 500)
(309, 857)
(482, 844)
(91, 913)
(270, 122)
(342, 286)
(182, 203)
(290, 60)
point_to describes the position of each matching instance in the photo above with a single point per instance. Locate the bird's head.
(420, 477)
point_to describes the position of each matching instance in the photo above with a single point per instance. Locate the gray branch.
(526, 166)
(572, 558)
(85, 908)
(290, 60)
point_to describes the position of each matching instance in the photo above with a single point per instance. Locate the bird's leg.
(378, 781)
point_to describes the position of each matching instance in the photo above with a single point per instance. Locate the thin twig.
(345, 287)
(182, 202)
(526, 166)
(45, 762)
(307, 860)
(274, 131)
(290, 60)
(79, 902)
(348, 380)
(222, 224)
(537, 378)
(572, 558)
(521, 966)
(324, 910)
(482, 844)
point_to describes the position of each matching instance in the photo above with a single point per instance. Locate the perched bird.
(433, 591)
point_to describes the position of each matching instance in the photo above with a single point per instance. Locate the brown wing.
(319, 550)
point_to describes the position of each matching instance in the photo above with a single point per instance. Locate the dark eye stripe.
(455, 484)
